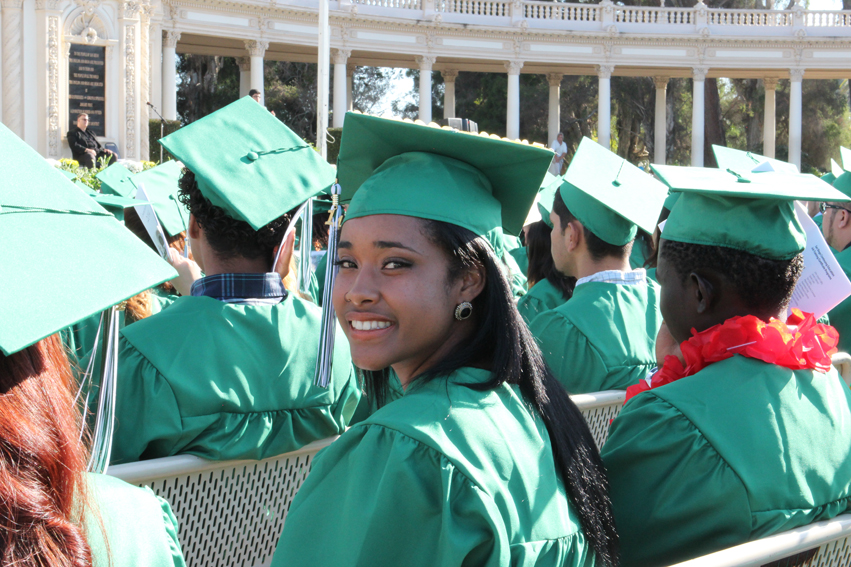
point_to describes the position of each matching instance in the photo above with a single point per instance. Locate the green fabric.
(260, 170)
(115, 180)
(636, 256)
(228, 381)
(763, 227)
(604, 338)
(843, 184)
(671, 200)
(542, 297)
(737, 452)
(828, 177)
(115, 204)
(57, 241)
(840, 316)
(394, 167)
(130, 526)
(610, 196)
(651, 274)
(521, 258)
(161, 186)
(369, 406)
(818, 219)
(742, 161)
(444, 476)
(546, 197)
(317, 284)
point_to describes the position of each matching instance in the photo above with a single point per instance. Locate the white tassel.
(105, 417)
(329, 320)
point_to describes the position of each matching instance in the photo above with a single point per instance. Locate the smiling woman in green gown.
(484, 460)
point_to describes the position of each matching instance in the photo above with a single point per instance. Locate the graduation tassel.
(105, 417)
(306, 244)
(329, 324)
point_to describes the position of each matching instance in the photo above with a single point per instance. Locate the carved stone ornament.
(130, 90)
(129, 9)
(796, 75)
(513, 67)
(608, 6)
(612, 30)
(801, 33)
(554, 79)
(699, 73)
(350, 69)
(340, 56)
(88, 6)
(54, 136)
(437, 18)
(425, 62)
(256, 48)
(661, 82)
(46, 4)
(704, 32)
(449, 75)
(170, 38)
(701, 9)
(88, 27)
(244, 64)
(605, 71)
(770, 83)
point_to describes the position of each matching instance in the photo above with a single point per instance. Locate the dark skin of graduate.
(700, 300)
(394, 298)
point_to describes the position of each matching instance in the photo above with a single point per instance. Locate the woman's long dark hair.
(503, 341)
(541, 264)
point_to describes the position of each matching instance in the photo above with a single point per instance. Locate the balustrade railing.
(607, 13)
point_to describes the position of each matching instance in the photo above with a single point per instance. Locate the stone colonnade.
(251, 77)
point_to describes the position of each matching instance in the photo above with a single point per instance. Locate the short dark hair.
(597, 247)
(541, 264)
(80, 115)
(230, 238)
(763, 285)
(253, 92)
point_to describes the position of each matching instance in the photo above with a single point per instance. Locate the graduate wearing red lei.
(799, 343)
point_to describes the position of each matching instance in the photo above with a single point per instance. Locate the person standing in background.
(560, 148)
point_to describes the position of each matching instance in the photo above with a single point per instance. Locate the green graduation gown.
(444, 476)
(542, 297)
(521, 256)
(739, 451)
(840, 316)
(227, 381)
(604, 338)
(129, 526)
(317, 282)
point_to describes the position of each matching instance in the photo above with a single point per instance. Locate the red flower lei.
(799, 343)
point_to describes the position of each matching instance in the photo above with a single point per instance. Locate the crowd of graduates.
(468, 294)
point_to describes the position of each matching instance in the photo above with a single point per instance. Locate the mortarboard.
(115, 180)
(115, 205)
(611, 197)
(475, 181)
(742, 162)
(249, 163)
(56, 242)
(161, 186)
(754, 213)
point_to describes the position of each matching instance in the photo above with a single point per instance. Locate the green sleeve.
(147, 417)
(170, 524)
(572, 358)
(383, 498)
(530, 307)
(673, 495)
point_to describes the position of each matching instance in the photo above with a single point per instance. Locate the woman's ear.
(705, 292)
(472, 283)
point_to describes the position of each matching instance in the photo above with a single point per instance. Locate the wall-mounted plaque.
(86, 79)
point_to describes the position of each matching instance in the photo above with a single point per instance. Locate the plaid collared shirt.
(635, 277)
(244, 289)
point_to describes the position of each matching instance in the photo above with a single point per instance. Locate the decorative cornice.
(256, 48)
(170, 38)
(52, 5)
(129, 9)
(12, 4)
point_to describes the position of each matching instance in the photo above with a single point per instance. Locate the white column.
(660, 127)
(48, 30)
(769, 128)
(244, 75)
(449, 76)
(425, 62)
(256, 52)
(512, 111)
(156, 65)
(697, 116)
(350, 99)
(130, 89)
(604, 105)
(554, 116)
(13, 69)
(170, 39)
(340, 56)
(795, 101)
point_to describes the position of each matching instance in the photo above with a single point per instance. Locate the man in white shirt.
(560, 148)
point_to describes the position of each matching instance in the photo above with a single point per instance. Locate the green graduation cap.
(828, 177)
(671, 200)
(249, 163)
(57, 241)
(835, 168)
(115, 204)
(115, 180)
(69, 174)
(754, 213)
(610, 196)
(161, 186)
(841, 184)
(474, 181)
(84, 188)
(540, 211)
(743, 162)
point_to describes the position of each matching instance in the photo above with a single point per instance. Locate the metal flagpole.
(322, 79)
